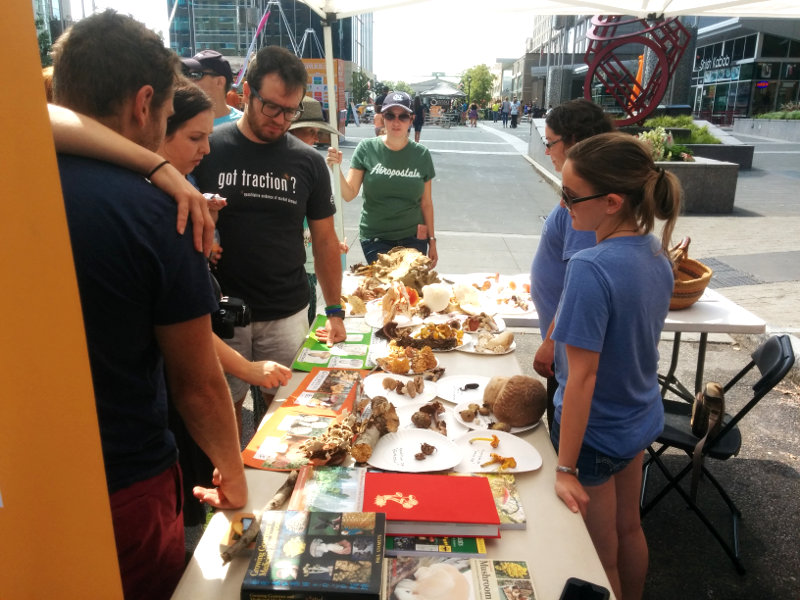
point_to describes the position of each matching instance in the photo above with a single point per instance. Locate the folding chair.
(773, 358)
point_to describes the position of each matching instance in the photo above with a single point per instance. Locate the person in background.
(272, 182)
(473, 115)
(213, 74)
(505, 110)
(306, 128)
(378, 122)
(608, 325)
(514, 112)
(419, 117)
(495, 110)
(233, 99)
(397, 176)
(47, 75)
(146, 302)
(568, 124)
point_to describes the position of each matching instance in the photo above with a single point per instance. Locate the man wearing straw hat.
(306, 128)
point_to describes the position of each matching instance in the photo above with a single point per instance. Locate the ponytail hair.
(621, 164)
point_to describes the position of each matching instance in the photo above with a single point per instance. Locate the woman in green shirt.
(396, 174)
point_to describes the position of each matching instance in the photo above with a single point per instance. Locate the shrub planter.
(709, 185)
(741, 154)
(788, 130)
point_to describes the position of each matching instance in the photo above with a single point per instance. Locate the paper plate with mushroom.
(415, 451)
(486, 451)
(399, 389)
(475, 415)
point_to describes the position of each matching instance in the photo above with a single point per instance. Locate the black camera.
(233, 312)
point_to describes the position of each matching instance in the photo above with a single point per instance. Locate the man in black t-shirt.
(272, 181)
(146, 304)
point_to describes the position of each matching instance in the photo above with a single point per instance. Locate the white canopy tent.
(332, 10)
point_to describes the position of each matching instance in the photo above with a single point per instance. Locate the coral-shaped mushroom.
(518, 401)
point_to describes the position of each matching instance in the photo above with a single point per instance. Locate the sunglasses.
(198, 75)
(569, 202)
(549, 145)
(389, 116)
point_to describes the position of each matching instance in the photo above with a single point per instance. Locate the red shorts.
(148, 527)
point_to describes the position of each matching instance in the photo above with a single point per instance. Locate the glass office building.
(744, 67)
(229, 26)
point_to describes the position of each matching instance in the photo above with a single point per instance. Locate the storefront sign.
(714, 62)
(762, 84)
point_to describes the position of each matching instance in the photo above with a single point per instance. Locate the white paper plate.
(477, 453)
(472, 350)
(373, 386)
(450, 388)
(481, 421)
(395, 452)
(374, 316)
(501, 325)
(454, 427)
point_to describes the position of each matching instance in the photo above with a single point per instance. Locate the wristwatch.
(340, 314)
(432, 239)
(567, 470)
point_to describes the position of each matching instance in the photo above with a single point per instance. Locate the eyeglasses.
(390, 116)
(569, 202)
(272, 110)
(549, 145)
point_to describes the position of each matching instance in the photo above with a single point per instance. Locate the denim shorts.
(594, 467)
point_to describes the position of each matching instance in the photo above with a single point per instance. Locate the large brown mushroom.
(519, 400)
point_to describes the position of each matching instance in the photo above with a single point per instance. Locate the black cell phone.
(578, 589)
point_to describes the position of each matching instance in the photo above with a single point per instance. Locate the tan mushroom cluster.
(518, 401)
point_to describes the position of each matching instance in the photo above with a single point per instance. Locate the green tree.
(400, 86)
(360, 86)
(45, 43)
(478, 81)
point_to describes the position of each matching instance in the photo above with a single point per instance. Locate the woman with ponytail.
(607, 327)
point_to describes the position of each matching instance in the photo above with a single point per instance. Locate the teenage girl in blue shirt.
(607, 327)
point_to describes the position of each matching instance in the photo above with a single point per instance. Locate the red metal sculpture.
(667, 39)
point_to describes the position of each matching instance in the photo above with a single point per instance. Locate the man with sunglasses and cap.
(397, 175)
(272, 182)
(213, 74)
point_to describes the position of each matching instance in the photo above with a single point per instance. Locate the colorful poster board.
(318, 84)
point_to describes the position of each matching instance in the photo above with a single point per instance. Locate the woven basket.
(691, 277)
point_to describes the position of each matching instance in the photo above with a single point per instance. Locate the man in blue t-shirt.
(146, 301)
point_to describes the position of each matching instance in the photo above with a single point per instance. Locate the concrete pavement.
(490, 202)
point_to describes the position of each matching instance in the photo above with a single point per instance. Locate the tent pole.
(333, 119)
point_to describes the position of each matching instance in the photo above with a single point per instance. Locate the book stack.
(321, 555)
(442, 532)
(437, 505)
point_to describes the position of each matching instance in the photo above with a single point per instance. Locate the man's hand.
(227, 494)
(189, 201)
(543, 359)
(335, 331)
